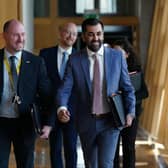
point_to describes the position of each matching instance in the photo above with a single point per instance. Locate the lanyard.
(9, 70)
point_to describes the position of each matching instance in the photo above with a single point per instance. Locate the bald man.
(64, 135)
(17, 93)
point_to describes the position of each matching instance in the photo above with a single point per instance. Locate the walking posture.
(64, 134)
(128, 135)
(22, 77)
(93, 74)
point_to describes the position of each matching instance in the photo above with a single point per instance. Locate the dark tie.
(97, 106)
(63, 65)
(13, 71)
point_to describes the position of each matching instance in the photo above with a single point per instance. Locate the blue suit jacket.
(32, 80)
(50, 57)
(77, 76)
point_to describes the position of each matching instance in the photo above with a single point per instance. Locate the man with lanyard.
(22, 77)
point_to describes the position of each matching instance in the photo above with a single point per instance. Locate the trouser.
(20, 133)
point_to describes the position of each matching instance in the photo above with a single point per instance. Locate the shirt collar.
(17, 54)
(68, 51)
(100, 52)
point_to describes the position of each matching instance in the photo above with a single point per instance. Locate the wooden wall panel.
(46, 29)
(8, 9)
(154, 119)
(1, 41)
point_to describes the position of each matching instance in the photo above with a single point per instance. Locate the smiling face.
(68, 35)
(93, 37)
(14, 36)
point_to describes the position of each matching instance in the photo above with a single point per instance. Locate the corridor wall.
(8, 9)
(155, 117)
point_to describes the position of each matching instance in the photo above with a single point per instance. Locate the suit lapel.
(1, 70)
(107, 67)
(85, 67)
(25, 61)
(53, 65)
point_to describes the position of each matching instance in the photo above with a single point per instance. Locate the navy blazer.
(50, 57)
(32, 80)
(77, 75)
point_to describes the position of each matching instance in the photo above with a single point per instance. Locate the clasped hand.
(129, 119)
(64, 115)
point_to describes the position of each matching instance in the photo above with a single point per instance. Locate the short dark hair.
(132, 60)
(126, 45)
(6, 25)
(91, 22)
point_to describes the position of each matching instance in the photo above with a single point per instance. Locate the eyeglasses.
(70, 33)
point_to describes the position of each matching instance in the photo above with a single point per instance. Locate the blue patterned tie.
(63, 65)
(13, 71)
(97, 106)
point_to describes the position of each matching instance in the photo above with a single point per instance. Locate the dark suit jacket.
(77, 75)
(32, 80)
(141, 92)
(50, 57)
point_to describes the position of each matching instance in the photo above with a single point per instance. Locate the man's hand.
(45, 132)
(129, 119)
(64, 115)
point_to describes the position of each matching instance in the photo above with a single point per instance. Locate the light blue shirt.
(60, 55)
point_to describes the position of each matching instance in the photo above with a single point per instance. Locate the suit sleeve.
(44, 90)
(64, 92)
(127, 89)
(44, 53)
(142, 93)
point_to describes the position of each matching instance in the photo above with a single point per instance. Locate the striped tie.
(13, 71)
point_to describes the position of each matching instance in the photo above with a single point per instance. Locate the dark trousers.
(63, 136)
(19, 133)
(128, 136)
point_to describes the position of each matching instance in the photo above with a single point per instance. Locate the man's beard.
(95, 47)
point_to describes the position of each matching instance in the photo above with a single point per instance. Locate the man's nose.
(95, 36)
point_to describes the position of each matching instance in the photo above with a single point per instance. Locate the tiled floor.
(145, 155)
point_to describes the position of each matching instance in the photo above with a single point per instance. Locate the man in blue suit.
(96, 127)
(63, 133)
(17, 93)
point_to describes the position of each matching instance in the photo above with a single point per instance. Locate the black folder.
(36, 117)
(118, 111)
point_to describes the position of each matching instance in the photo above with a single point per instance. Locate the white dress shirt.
(100, 57)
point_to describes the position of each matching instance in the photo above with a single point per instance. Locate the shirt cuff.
(61, 108)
